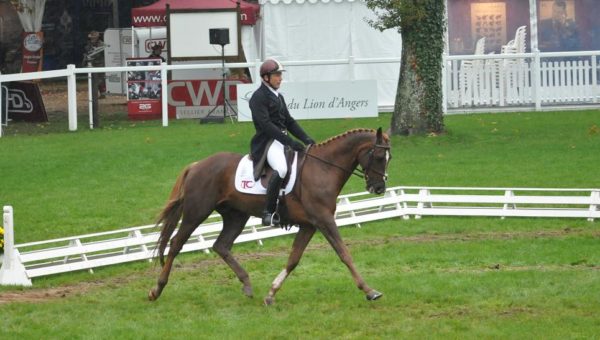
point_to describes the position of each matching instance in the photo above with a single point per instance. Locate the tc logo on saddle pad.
(244, 177)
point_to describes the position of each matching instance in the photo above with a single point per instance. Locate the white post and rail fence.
(525, 81)
(25, 261)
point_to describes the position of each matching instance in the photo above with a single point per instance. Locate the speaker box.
(219, 36)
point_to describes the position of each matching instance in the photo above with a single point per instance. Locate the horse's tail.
(170, 215)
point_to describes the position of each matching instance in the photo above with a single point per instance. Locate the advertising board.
(319, 100)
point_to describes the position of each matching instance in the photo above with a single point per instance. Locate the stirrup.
(271, 220)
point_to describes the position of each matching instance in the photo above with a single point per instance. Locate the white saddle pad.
(244, 177)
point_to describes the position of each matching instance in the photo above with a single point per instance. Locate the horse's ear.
(379, 136)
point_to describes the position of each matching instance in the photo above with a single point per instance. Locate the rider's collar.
(271, 88)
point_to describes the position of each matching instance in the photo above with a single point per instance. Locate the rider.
(272, 122)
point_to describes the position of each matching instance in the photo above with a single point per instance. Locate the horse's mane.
(345, 134)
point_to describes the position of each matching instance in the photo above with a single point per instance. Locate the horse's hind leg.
(233, 224)
(188, 225)
(302, 239)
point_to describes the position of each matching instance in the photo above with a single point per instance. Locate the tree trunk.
(418, 108)
(409, 118)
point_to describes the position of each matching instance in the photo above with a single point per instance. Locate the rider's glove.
(297, 145)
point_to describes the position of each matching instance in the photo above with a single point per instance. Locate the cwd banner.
(319, 100)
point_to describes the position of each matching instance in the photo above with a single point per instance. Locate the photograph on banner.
(143, 84)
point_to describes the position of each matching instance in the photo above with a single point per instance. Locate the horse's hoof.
(151, 296)
(247, 290)
(374, 295)
(269, 300)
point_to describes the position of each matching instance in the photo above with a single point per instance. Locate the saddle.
(247, 183)
(264, 170)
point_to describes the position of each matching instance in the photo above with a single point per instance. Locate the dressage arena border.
(25, 261)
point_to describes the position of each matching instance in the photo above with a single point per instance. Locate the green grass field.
(441, 277)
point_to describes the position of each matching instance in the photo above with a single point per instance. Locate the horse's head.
(374, 162)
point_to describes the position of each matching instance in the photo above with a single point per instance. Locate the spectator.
(94, 57)
(156, 52)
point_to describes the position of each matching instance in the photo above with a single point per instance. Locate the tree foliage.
(422, 24)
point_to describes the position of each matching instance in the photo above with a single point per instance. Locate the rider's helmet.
(270, 66)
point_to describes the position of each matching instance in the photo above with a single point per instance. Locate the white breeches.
(276, 158)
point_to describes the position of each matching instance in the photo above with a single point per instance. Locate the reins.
(356, 172)
(361, 173)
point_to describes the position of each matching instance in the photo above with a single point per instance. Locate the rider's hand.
(310, 141)
(297, 145)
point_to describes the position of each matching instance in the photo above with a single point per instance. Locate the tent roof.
(155, 14)
(287, 2)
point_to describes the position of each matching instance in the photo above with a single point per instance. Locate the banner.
(319, 99)
(198, 98)
(144, 91)
(22, 102)
(33, 51)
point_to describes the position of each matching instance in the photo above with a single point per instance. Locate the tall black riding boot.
(270, 216)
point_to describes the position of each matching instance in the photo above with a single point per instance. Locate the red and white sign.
(32, 51)
(197, 98)
(144, 91)
(155, 14)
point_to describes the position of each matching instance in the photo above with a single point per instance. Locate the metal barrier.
(28, 260)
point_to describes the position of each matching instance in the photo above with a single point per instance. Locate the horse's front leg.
(303, 236)
(332, 234)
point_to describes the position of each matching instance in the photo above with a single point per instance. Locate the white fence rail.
(522, 80)
(28, 260)
(71, 71)
(527, 80)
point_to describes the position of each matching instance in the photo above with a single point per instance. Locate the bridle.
(370, 153)
(361, 173)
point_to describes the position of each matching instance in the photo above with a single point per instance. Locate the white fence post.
(91, 98)
(12, 271)
(256, 78)
(536, 79)
(165, 94)
(596, 97)
(72, 97)
(595, 195)
(423, 202)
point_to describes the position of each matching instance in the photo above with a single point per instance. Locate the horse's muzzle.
(377, 188)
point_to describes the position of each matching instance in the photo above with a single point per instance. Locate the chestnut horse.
(208, 185)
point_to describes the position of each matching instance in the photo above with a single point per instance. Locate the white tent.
(330, 29)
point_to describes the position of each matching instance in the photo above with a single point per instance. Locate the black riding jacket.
(271, 119)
